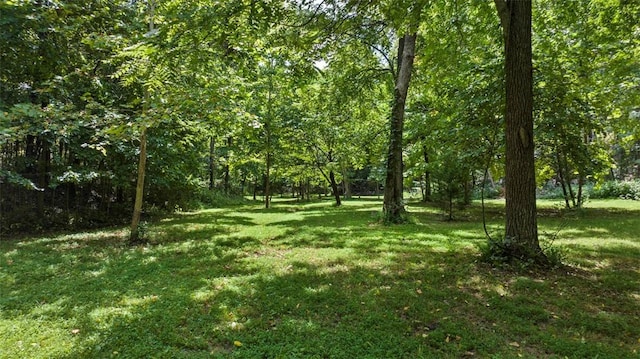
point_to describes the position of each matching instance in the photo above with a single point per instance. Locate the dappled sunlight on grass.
(313, 280)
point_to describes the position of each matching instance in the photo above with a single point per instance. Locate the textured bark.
(520, 186)
(393, 207)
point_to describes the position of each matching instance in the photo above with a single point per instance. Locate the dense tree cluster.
(311, 98)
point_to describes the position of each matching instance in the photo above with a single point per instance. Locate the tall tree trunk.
(212, 168)
(43, 168)
(580, 185)
(242, 183)
(568, 179)
(227, 175)
(255, 187)
(267, 180)
(142, 162)
(137, 207)
(562, 180)
(393, 207)
(520, 191)
(427, 177)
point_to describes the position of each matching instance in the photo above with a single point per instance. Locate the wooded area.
(319, 179)
(205, 100)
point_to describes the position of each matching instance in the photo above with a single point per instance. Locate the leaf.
(514, 344)
(237, 343)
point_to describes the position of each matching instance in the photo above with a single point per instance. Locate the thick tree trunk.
(393, 206)
(520, 185)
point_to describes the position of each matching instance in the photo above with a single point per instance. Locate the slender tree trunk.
(427, 177)
(267, 180)
(393, 206)
(227, 176)
(43, 168)
(520, 191)
(562, 180)
(142, 163)
(242, 183)
(580, 185)
(137, 207)
(334, 188)
(346, 183)
(568, 179)
(255, 187)
(212, 168)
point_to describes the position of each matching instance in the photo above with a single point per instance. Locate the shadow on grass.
(335, 285)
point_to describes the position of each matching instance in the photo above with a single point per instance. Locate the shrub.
(618, 189)
(505, 252)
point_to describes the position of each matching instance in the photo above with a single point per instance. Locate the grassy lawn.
(316, 281)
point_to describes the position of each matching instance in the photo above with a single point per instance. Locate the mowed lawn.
(309, 280)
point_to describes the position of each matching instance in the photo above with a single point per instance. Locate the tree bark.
(520, 186)
(562, 181)
(137, 207)
(267, 181)
(227, 175)
(426, 197)
(212, 144)
(334, 188)
(142, 162)
(393, 206)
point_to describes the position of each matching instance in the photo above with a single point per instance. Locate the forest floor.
(309, 280)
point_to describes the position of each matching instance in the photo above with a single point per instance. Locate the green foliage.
(206, 198)
(618, 189)
(506, 252)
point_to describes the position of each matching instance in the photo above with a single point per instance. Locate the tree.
(393, 206)
(521, 236)
(142, 162)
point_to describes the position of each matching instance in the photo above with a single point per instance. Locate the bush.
(206, 198)
(618, 189)
(505, 252)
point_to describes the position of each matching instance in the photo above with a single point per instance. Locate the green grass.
(316, 281)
